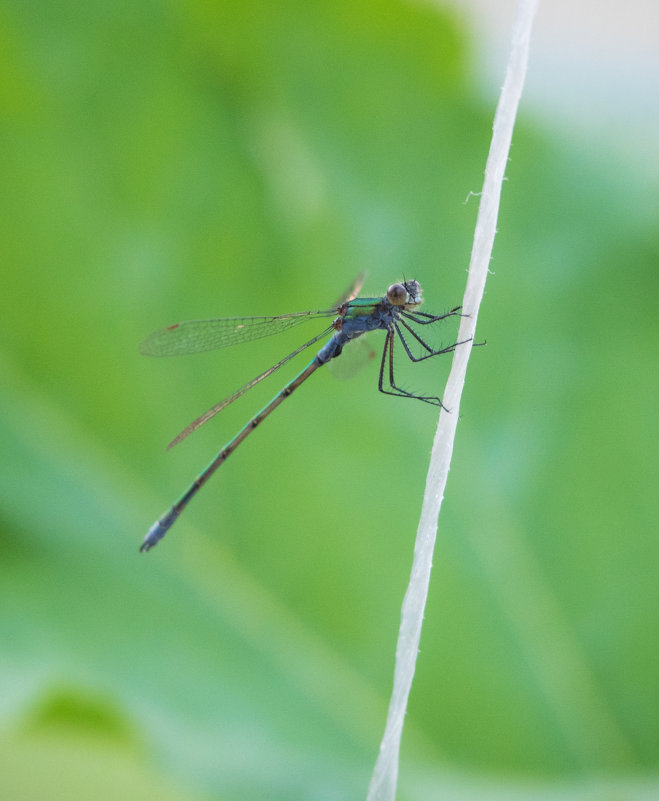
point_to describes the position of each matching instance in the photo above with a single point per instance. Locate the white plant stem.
(385, 774)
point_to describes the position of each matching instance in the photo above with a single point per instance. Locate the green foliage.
(194, 159)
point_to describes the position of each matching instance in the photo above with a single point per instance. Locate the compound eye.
(397, 295)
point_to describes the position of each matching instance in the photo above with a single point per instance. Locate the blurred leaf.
(62, 767)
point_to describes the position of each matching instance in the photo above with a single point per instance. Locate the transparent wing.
(352, 291)
(204, 418)
(197, 336)
(354, 357)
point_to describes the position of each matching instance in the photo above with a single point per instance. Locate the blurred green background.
(169, 161)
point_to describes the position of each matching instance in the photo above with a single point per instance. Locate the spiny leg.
(431, 318)
(388, 357)
(431, 352)
(416, 336)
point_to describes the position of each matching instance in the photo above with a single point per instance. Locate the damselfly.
(396, 313)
